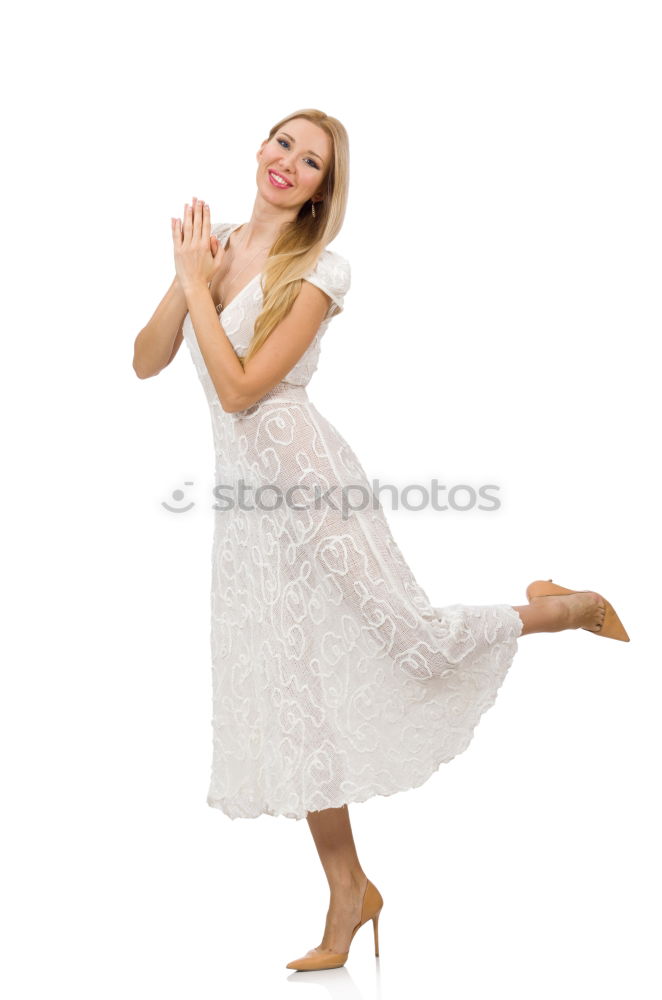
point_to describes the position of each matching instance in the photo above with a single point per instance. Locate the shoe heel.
(374, 927)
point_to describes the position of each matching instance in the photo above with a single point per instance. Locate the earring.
(313, 207)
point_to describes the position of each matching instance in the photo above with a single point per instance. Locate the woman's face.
(301, 153)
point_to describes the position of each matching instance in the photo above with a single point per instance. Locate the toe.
(601, 611)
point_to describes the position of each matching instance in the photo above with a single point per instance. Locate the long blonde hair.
(299, 245)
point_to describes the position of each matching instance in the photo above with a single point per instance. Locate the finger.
(199, 212)
(194, 219)
(188, 225)
(206, 223)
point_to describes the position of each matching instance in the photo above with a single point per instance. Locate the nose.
(287, 162)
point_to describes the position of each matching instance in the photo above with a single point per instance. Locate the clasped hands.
(198, 254)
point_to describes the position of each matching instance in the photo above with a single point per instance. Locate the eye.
(308, 159)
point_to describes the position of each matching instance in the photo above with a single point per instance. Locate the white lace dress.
(333, 677)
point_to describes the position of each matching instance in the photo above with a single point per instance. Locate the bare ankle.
(347, 881)
(564, 616)
(545, 614)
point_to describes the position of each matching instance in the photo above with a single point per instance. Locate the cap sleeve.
(332, 274)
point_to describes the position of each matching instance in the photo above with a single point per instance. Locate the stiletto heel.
(612, 626)
(374, 927)
(314, 959)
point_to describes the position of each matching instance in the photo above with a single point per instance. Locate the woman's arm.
(158, 341)
(238, 388)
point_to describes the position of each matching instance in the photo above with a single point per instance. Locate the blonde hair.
(299, 245)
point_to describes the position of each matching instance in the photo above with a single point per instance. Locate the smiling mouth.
(278, 180)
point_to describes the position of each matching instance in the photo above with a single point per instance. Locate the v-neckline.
(219, 308)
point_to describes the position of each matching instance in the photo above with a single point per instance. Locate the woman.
(334, 679)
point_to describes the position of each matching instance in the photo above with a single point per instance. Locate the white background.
(503, 229)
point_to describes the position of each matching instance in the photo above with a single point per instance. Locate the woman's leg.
(332, 833)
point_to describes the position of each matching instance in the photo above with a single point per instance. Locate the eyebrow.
(308, 150)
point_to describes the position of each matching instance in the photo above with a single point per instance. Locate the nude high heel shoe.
(612, 627)
(314, 959)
